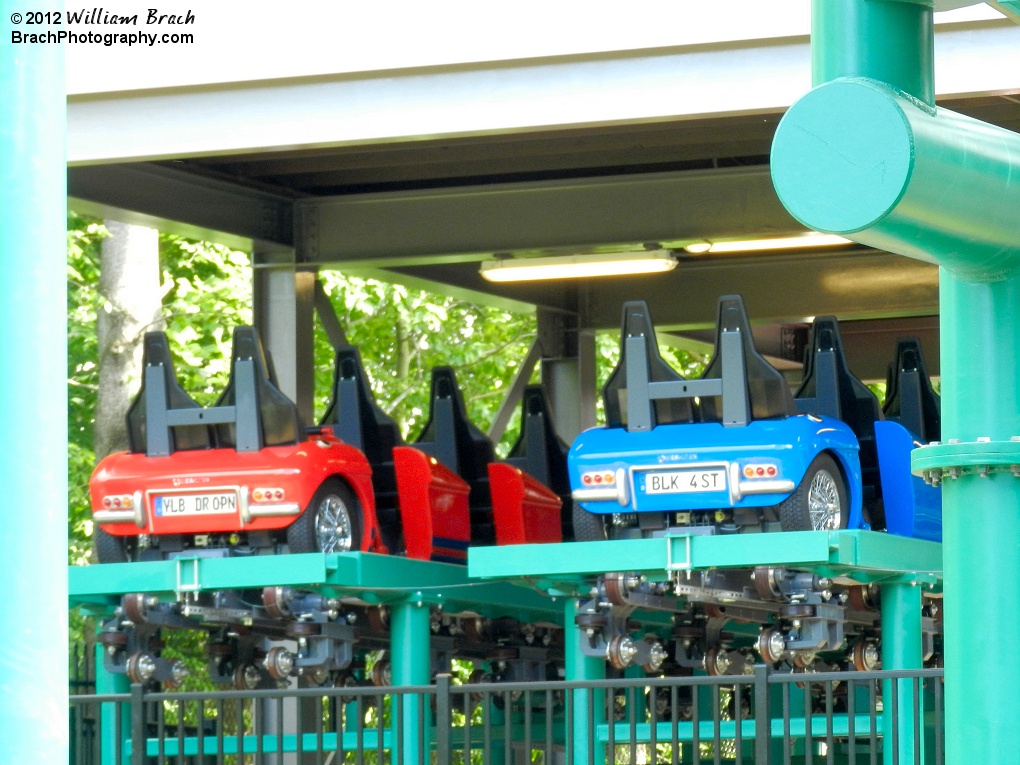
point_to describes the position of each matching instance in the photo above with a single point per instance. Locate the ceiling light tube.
(780, 243)
(578, 266)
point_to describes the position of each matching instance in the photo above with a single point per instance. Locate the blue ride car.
(733, 451)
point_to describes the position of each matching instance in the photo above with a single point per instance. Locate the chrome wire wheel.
(824, 505)
(333, 527)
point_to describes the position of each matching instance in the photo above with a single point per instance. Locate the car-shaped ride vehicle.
(730, 452)
(239, 477)
(244, 476)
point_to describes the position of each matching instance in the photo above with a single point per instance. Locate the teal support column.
(409, 657)
(33, 387)
(109, 742)
(581, 667)
(901, 649)
(980, 510)
(867, 154)
(858, 158)
(892, 42)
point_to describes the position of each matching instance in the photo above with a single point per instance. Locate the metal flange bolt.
(957, 459)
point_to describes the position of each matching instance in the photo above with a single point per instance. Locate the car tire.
(109, 549)
(331, 523)
(819, 502)
(588, 527)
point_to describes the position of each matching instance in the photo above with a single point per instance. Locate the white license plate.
(196, 504)
(685, 481)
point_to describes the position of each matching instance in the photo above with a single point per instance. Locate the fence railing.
(768, 718)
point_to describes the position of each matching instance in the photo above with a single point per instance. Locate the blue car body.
(653, 470)
(739, 443)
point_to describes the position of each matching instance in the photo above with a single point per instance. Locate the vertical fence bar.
(219, 732)
(940, 752)
(548, 727)
(787, 740)
(487, 728)
(762, 721)
(653, 719)
(918, 713)
(257, 712)
(696, 718)
(873, 724)
(851, 712)
(716, 733)
(443, 718)
(137, 724)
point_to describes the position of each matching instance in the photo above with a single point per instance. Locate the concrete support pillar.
(284, 306)
(33, 389)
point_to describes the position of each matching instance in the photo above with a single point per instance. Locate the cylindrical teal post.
(410, 662)
(857, 158)
(901, 649)
(582, 667)
(892, 42)
(109, 745)
(33, 392)
(980, 514)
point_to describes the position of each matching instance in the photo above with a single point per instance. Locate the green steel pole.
(410, 664)
(582, 667)
(856, 157)
(109, 744)
(901, 649)
(865, 154)
(980, 512)
(33, 389)
(892, 42)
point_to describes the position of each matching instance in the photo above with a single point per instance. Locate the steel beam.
(400, 229)
(567, 85)
(33, 388)
(179, 202)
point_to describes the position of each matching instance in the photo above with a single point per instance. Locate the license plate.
(196, 504)
(685, 481)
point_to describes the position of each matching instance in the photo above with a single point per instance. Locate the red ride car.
(238, 478)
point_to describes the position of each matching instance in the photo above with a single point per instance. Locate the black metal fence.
(768, 718)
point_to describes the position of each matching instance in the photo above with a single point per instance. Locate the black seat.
(909, 398)
(541, 453)
(638, 323)
(832, 390)
(263, 415)
(356, 419)
(149, 429)
(768, 395)
(455, 441)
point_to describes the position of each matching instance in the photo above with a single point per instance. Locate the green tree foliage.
(404, 333)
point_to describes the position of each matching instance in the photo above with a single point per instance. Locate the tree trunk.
(129, 286)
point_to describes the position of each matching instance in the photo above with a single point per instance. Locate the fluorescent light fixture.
(781, 243)
(578, 266)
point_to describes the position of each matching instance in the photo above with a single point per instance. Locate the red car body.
(225, 491)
